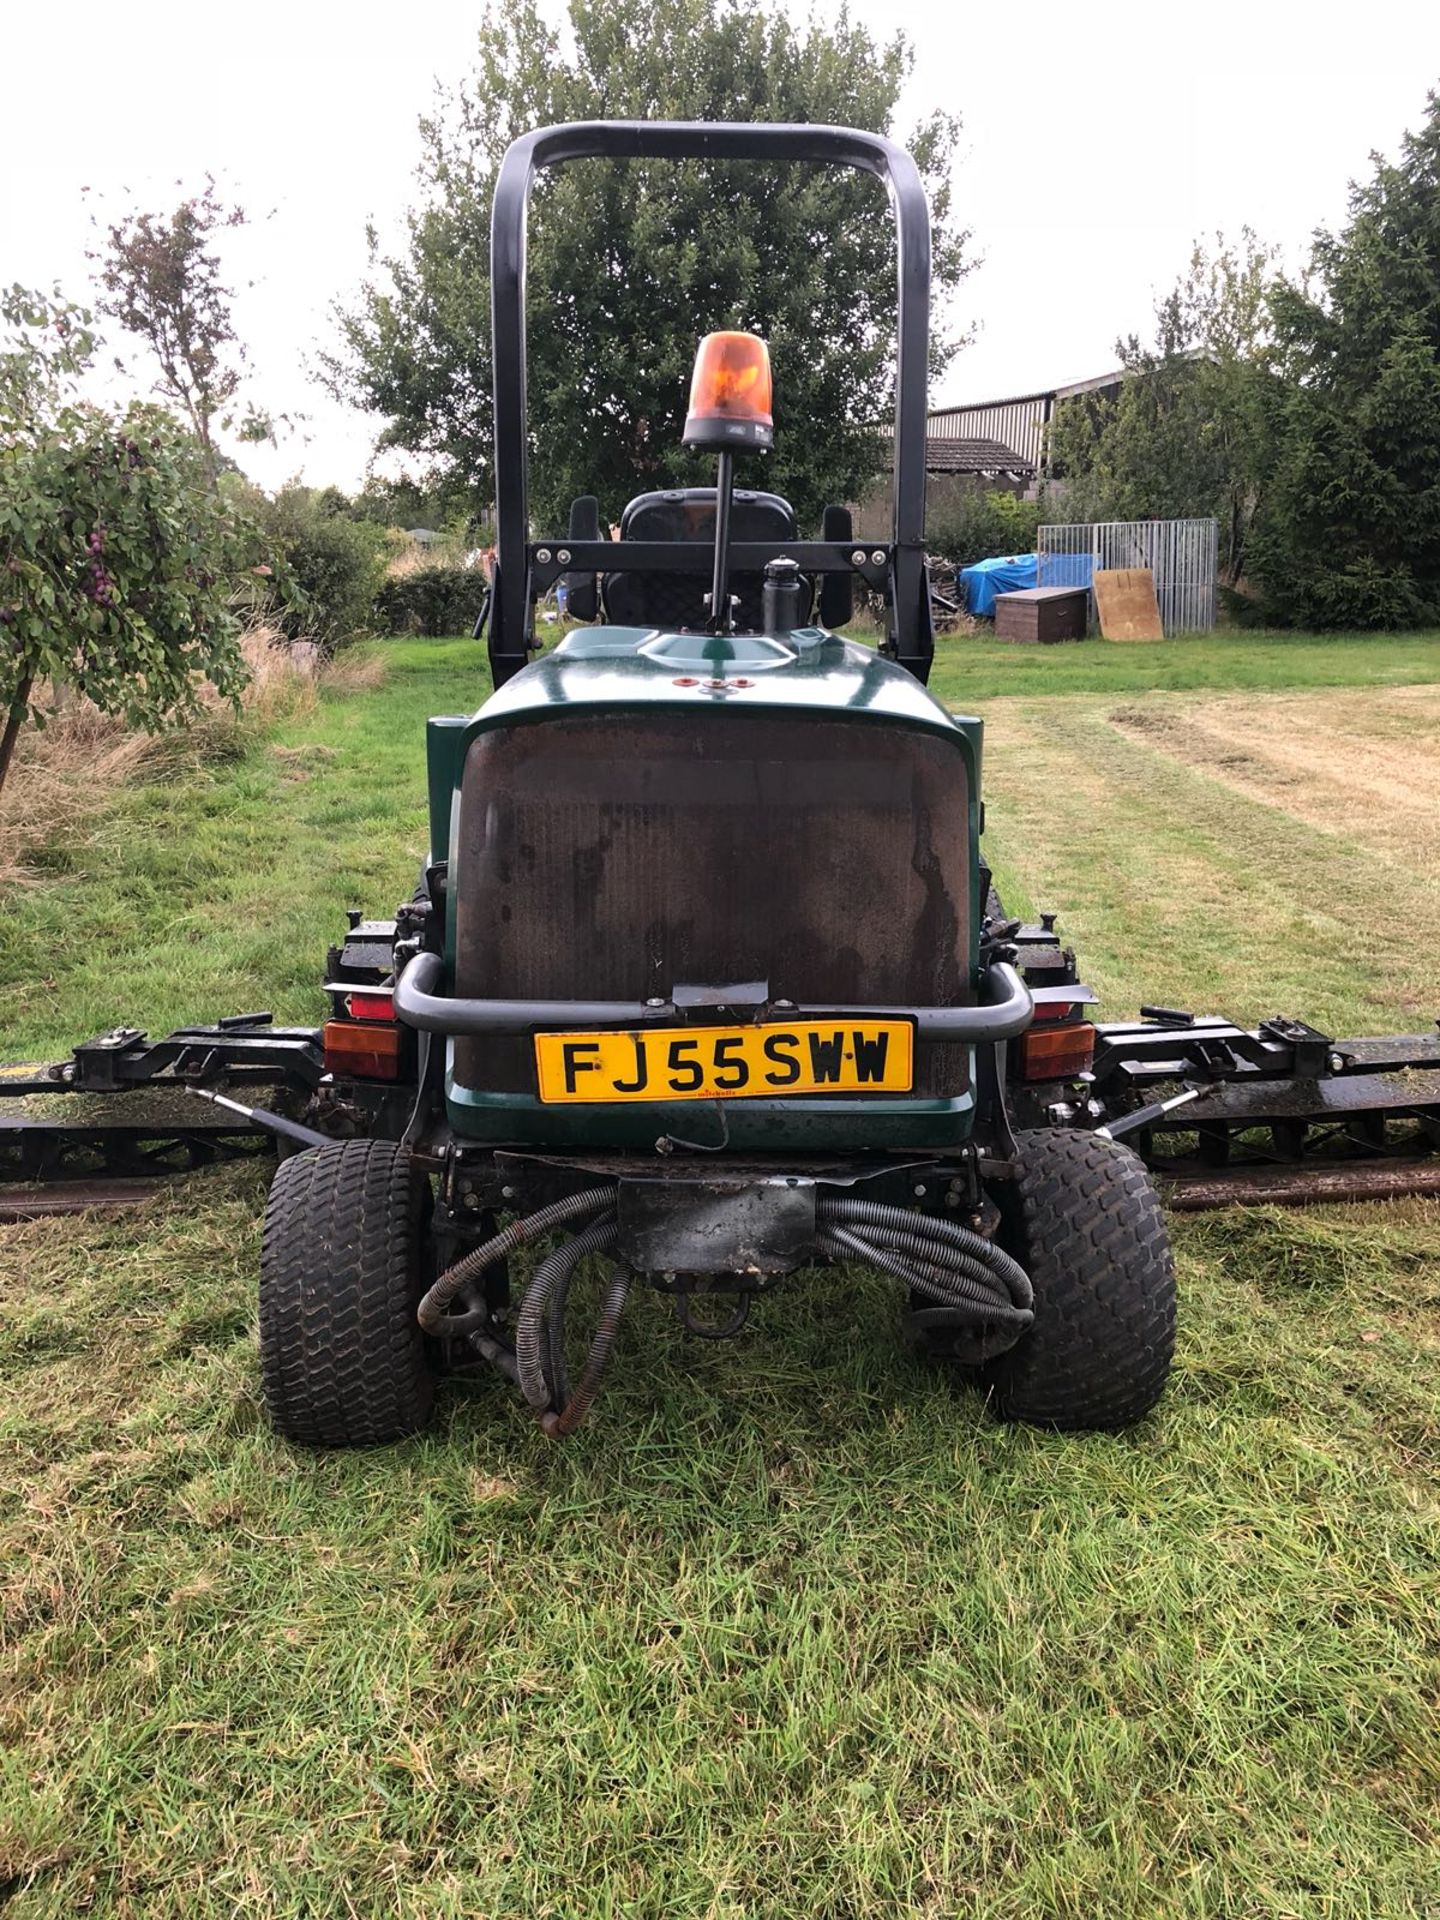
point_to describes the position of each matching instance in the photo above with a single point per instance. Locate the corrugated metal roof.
(1093, 385)
(1019, 422)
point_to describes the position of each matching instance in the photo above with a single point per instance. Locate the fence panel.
(1180, 553)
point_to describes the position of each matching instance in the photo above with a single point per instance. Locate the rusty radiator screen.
(619, 856)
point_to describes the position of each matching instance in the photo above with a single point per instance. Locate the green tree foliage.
(969, 523)
(118, 557)
(1187, 436)
(436, 601)
(1351, 534)
(160, 278)
(331, 566)
(631, 262)
(408, 503)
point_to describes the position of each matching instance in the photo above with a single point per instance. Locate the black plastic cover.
(677, 602)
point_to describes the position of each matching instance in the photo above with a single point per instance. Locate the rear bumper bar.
(1005, 1009)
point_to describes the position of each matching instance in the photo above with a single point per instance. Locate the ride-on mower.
(704, 978)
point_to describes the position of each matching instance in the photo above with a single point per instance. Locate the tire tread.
(342, 1358)
(1086, 1222)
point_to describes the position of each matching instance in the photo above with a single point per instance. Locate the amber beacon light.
(730, 394)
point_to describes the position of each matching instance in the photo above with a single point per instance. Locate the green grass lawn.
(206, 893)
(977, 668)
(792, 1628)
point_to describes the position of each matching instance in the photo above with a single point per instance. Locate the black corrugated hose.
(538, 1361)
(539, 1332)
(432, 1311)
(572, 1408)
(938, 1258)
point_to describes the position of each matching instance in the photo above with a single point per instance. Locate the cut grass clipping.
(792, 1629)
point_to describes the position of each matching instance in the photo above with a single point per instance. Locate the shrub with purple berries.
(119, 556)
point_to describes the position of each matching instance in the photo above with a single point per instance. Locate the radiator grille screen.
(617, 856)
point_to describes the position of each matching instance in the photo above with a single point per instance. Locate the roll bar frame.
(522, 567)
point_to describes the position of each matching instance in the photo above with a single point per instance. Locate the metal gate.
(1180, 553)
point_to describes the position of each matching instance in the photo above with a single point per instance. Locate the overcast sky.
(1099, 142)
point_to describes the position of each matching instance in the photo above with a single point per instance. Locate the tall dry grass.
(412, 557)
(63, 772)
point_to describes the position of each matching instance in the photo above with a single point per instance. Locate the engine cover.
(629, 851)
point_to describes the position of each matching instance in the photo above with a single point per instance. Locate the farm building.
(1019, 424)
(976, 457)
(951, 461)
(996, 444)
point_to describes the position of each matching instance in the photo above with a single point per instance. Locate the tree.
(1186, 436)
(631, 262)
(967, 522)
(1351, 535)
(330, 566)
(407, 502)
(161, 281)
(118, 556)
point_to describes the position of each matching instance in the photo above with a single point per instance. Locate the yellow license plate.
(727, 1063)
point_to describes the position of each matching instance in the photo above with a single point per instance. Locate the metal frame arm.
(702, 140)
(552, 559)
(1005, 1011)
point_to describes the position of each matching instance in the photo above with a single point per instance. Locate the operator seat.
(676, 601)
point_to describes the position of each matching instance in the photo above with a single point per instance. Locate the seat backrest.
(678, 601)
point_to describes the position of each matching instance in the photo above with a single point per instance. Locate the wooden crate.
(1043, 614)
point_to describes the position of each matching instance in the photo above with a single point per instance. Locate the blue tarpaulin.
(986, 578)
(1013, 572)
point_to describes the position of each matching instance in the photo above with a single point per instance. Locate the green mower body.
(786, 791)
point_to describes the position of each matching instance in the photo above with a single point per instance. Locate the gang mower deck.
(1279, 1114)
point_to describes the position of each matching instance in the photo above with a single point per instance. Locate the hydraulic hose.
(536, 1336)
(497, 1353)
(537, 1363)
(432, 1310)
(949, 1286)
(961, 1271)
(938, 1258)
(540, 1332)
(575, 1408)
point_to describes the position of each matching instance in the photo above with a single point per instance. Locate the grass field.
(792, 1629)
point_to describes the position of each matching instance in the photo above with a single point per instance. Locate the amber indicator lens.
(730, 393)
(368, 1052)
(1057, 1052)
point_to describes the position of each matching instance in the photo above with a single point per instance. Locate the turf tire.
(1085, 1222)
(342, 1357)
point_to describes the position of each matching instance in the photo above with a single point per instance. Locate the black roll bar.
(705, 140)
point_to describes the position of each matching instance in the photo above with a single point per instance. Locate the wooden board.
(1126, 604)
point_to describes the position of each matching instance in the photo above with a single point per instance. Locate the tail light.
(370, 1006)
(367, 1052)
(1056, 1051)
